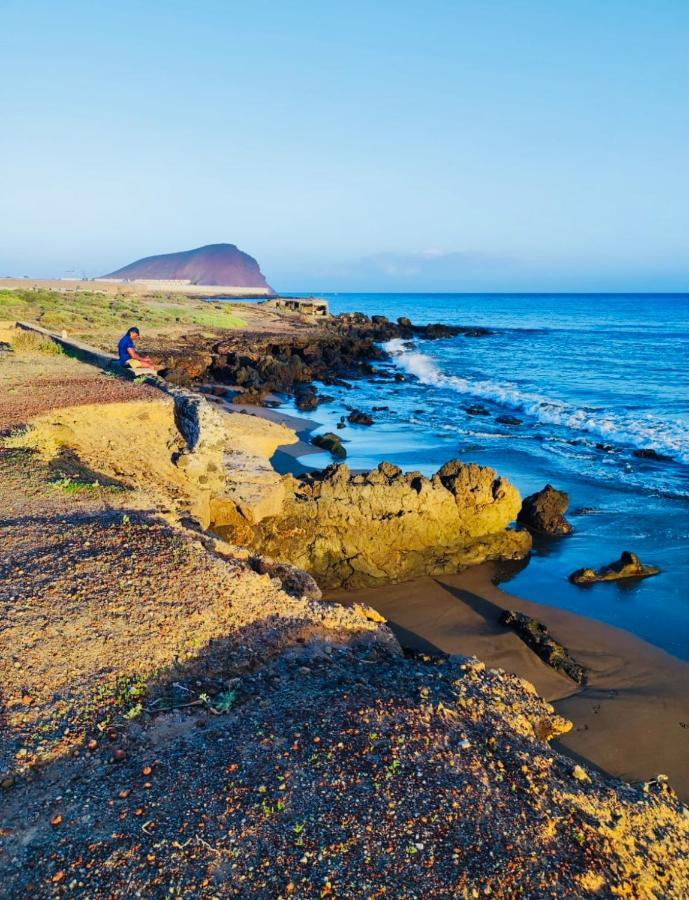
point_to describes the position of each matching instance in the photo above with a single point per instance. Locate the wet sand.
(632, 718)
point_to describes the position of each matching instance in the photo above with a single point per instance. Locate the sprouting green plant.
(224, 701)
(393, 769)
(126, 520)
(74, 485)
(134, 712)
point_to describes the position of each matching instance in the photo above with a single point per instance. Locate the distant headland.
(213, 264)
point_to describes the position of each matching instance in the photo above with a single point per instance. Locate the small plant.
(31, 342)
(224, 701)
(135, 711)
(393, 769)
(74, 485)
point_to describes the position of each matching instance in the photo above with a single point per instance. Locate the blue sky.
(455, 145)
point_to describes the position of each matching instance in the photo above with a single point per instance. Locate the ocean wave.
(639, 431)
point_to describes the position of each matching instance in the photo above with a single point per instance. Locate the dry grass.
(30, 342)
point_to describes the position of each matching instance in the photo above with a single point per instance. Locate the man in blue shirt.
(128, 355)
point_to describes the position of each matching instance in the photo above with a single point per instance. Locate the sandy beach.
(632, 718)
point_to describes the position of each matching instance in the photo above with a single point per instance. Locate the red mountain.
(214, 264)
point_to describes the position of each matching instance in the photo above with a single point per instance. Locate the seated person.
(130, 358)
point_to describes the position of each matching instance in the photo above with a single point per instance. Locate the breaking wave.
(643, 431)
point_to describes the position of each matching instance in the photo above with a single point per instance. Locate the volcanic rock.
(477, 409)
(536, 636)
(357, 417)
(545, 511)
(388, 525)
(330, 442)
(627, 566)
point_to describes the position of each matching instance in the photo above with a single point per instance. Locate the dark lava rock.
(380, 408)
(605, 448)
(404, 322)
(357, 417)
(399, 377)
(330, 442)
(509, 420)
(627, 566)
(379, 320)
(545, 511)
(251, 397)
(477, 409)
(650, 453)
(307, 401)
(537, 637)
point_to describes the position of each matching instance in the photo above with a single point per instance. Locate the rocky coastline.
(336, 350)
(172, 742)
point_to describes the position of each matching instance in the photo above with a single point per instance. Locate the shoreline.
(631, 720)
(186, 686)
(631, 682)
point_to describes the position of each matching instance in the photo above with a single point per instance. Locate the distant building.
(310, 307)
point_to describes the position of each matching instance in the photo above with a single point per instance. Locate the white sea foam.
(638, 431)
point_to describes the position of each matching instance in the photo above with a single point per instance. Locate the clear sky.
(360, 145)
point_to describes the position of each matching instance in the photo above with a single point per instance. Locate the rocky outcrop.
(545, 510)
(537, 637)
(386, 525)
(344, 346)
(627, 566)
(509, 420)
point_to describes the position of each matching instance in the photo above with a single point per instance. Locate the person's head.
(134, 333)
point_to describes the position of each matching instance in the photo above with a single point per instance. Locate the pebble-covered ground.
(344, 775)
(35, 384)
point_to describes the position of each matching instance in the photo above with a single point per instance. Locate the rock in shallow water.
(477, 409)
(650, 453)
(545, 511)
(358, 417)
(627, 566)
(330, 442)
(509, 420)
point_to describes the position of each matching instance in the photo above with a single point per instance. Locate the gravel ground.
(348, 776)
(35, 384)
(101, 599)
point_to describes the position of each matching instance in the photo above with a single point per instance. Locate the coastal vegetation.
(96, 316)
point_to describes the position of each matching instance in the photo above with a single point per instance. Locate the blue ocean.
(592, 378)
